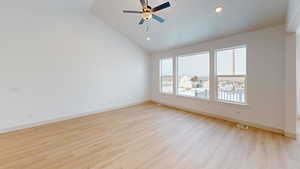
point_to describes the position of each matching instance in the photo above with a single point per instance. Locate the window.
(166, 75)
(193, 75)
(231, 74)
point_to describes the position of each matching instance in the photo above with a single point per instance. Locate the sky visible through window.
(194, 65)
(228, 66)
(197, 65)
(167, 67)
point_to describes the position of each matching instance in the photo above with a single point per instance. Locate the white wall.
(297, 44)
(291, 93)
(293, 24)
(266, 74)
(61, 62)
(293, 15)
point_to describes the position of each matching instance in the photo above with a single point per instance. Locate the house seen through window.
(193, 75)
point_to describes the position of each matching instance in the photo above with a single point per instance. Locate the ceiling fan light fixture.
(147, 15)
(148, 38)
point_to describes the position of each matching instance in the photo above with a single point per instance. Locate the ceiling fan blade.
(143, 3)
(141, 22)
(162, 6)
(129, 11)
(158, 18)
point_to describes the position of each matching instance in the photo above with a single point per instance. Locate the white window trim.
(160, 77)
(216, 76)
(232, 47)
(213, 87)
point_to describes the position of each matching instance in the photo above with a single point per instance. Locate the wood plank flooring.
(146, 137)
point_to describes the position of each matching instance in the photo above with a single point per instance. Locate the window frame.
(160, 77)
(216, 76)
(209, 74)
(213, 77)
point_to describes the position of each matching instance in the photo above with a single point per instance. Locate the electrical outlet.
(242, 126)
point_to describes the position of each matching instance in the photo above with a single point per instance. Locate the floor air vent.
(242, 126)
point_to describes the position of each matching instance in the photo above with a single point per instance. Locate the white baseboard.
(20, 127)
(255, 125)
(291, 135)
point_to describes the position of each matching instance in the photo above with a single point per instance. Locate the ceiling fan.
(147, 12)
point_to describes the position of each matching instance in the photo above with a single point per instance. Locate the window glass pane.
(240, 61)
(231, 89)
(166, 75)
(193, 75)
(231, 74)
(231, 61)
(225, 62)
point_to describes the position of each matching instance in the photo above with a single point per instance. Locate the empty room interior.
(150, 84)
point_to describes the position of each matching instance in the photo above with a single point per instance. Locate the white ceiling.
(45, 4)
(190, 21)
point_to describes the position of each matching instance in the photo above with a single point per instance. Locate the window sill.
(206, 100)
(232, 103)
(193, 97)
(244, 105)
(167, 94)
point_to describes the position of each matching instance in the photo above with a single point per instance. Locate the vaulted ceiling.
(190, 21)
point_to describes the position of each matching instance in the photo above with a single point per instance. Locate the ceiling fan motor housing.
(147, 13)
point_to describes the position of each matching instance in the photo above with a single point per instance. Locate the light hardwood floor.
(146, 137)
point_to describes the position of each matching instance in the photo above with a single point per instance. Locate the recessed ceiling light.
(148, 38)
(219, 9)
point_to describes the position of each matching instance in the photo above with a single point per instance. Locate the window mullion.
(233, 61)
(212, 76)
(175, 75)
